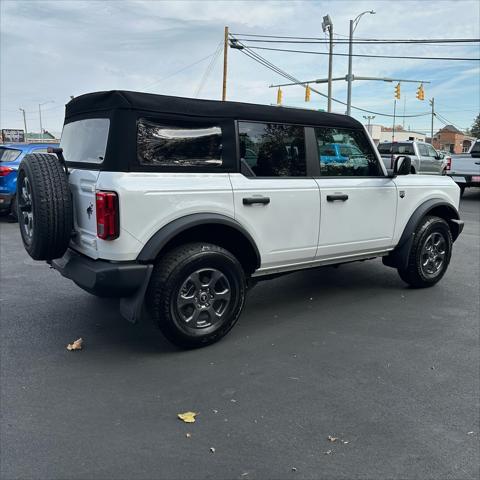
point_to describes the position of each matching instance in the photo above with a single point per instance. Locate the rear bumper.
(102, 277)
(5, 201)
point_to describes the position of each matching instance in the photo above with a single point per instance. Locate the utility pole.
(353, 26)
(368, 118)
(225, 59)
(40, 116)
(327, 24)
(24, 123)
(432, 104)
(394, 113)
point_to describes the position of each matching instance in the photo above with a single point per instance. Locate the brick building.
(453, 140)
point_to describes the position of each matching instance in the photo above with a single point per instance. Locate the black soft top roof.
(147, 102)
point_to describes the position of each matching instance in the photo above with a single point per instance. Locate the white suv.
(178, 205)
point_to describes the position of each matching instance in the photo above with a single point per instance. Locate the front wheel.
(196, 294)
(430, 253)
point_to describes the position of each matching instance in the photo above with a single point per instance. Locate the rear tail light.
(107, 215)
(449, 164)
(4, 171)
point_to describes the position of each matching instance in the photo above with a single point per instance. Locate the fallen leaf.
(328, 452)
(215, 411)
(345, 442)
(332, 439)
(188, 435)
(212, 449)
(470, 433)
(187, 417)
(294, 469)
(76, 345)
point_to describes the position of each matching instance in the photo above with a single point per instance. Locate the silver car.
(425, 159)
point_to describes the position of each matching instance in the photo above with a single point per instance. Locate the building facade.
(452, 140)
(382, 134)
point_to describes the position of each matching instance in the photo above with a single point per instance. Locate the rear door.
(84, 142)
(358, 202)
(274, 198)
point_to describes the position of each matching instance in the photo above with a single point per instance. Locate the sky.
(51, 50)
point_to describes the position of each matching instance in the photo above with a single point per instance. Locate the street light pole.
(353, 26)
(368, 118)
(327, 24)
(40, 116)
(225, 60)
(24, 123)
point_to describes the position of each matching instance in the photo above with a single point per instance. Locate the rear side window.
(9, 154)
(344, 152)
(178, 146)
(85, 141)
(273, 150)
(396, 148)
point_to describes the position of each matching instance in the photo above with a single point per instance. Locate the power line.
(366, 42)
(209, 68)
(399, 40)
(263, 61)
(366, 56)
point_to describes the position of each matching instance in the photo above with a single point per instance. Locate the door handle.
(254, 200)
(341, 197)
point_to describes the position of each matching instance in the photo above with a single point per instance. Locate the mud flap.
(131, 308)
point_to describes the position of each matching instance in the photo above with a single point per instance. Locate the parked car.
(465, 168)
(425, 159)
(10, 157)
(161, 208)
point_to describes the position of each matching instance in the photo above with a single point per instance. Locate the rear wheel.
(45, 210)
(430, 253)
(196, 294)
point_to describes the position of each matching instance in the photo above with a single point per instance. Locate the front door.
(273, 197)
(358, 202)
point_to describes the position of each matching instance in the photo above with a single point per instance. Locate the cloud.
(53, 49)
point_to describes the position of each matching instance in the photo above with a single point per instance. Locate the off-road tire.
(414, 274)
(50, 203)
(168, 276)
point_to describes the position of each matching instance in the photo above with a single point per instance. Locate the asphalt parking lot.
(349, 352)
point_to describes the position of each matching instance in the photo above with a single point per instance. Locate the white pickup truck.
(465, 168)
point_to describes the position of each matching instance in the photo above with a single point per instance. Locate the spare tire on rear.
(44, 206)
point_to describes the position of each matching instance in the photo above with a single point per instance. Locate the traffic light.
(279, 96)
(420, 92)
(307, 93)
(397, 91)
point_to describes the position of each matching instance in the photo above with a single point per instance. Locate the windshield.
(85, 140)
(9, 154)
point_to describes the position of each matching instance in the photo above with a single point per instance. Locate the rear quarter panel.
(148, 201)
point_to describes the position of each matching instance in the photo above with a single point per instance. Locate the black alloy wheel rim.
(433, 254)
(203, 299)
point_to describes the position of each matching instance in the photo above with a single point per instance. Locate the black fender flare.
(153, 247)
(398, 257)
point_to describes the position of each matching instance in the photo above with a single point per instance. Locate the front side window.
(178, 146)
(422, 150)
(344, 152)
(396, 148)
(431, 151)
(273, 150)
(85, 140)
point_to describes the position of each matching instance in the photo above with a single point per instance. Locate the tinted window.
(9, 154)
(346, 152)
(176, 146)
(273, 150)
(397, 148)
(85, 140)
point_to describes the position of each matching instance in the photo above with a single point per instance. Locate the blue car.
(10, 157)
(339, 152)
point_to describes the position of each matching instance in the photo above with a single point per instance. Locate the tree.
(475, 130)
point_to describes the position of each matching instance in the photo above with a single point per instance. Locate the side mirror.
(440, 156)
(402, 165)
